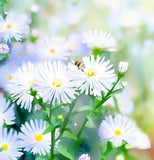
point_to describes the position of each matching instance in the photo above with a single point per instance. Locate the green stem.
(107, 95)
(52, 135)
(53, 144)
(82, 128)
(116, 104)
(62, 104)
(2, 9)
(62, 129)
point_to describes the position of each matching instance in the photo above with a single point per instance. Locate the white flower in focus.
(4, 49)
(7, 113)
(10, 144)
(32, 138)
(99, 39)
(52, 48)
(84, 157)
(54, 83)
(20, 84)
(13, 26)
(96, 77)
(117, 129)
(123, 67)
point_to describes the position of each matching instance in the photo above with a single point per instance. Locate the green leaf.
(89, 117)
(117, 91)
(84, 108)
(63, 150)
(33, 39)
(70, 135)
(49, 129)
(41, 158)
(1, 149)
(109, 148)
(33, 92)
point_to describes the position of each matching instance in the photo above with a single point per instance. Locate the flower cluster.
(47, 79)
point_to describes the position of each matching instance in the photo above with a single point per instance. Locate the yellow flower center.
(9, 77)
(52, 51)
(31, 82)
(5, 147)
(57, 83)
(90, 72)
(8, 26)
(121, 105)
(39, 137)
(118, 132)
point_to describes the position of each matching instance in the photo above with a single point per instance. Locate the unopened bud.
(123, 67)
(4, 49)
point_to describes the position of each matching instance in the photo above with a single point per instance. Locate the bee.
(81, 66)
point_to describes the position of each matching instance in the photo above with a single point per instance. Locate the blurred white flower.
(117, 129)
(76, 46)
(7, 113)
(84, 157)
(120, 157)
(99, 39)
(54, 83)
(97, 76)
(35, 8)
(32, 139)
(10, 144)
(124, 102)
(52, 48)
(142, 141)
(123, 67)
(13, 26)
(4, 48)
(21, 82)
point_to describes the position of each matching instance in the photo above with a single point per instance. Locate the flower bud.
(4, 49)
(123, 67)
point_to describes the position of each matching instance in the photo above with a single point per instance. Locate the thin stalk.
(63, 126)
(52, 135)
(58, 106)
(82, 128)
(53, 144)
(107, 95)
(116, 104)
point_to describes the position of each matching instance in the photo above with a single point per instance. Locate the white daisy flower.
(142, 141)
(95, 77)
(117, 129)
(10, 144)
(84, 157)
(12, 26)
(99, 39)
(4, 49)
(54, 83)
(32, 138)
(21, 82)
(52, 48)
(7, 113)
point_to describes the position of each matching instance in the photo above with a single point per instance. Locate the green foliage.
(50, 128)
(64, 151)
(1, 149)
(69, 134)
